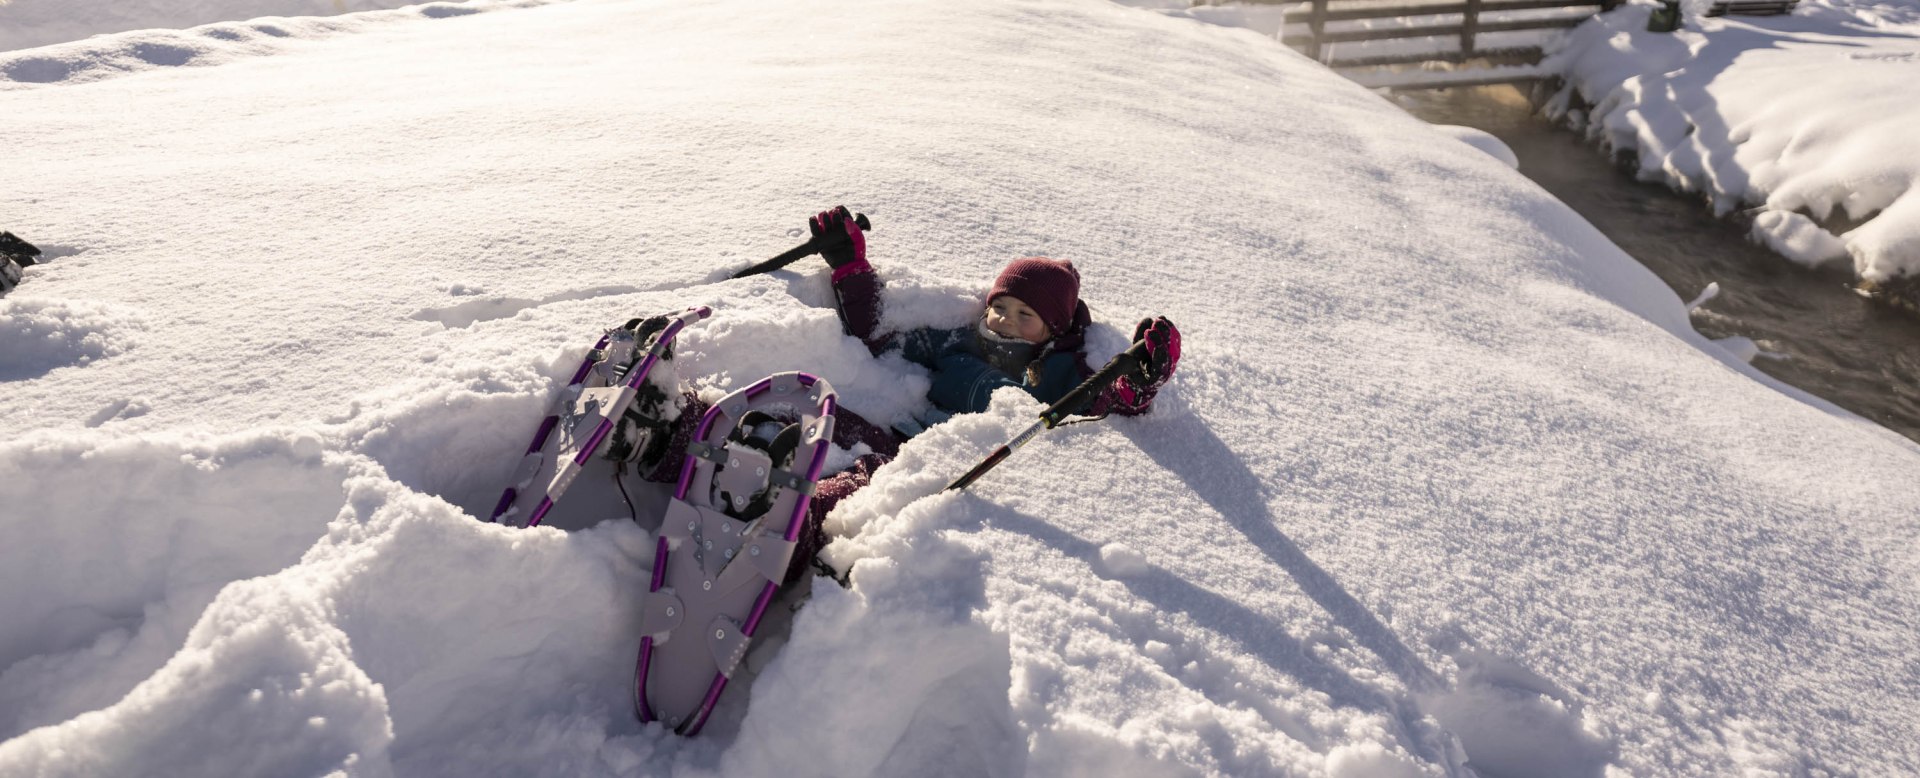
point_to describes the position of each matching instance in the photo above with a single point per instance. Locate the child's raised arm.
(856, 288)
(1133, 393)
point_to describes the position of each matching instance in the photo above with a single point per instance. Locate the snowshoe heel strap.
(728, 644)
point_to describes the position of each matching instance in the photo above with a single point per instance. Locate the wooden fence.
(1416, 22)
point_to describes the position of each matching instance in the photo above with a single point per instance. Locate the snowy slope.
(1445, 478)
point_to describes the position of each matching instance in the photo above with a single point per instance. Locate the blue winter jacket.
(964, 381)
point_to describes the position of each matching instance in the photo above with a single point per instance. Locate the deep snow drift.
(1445, 484)
(28, 23)
(1807, 121)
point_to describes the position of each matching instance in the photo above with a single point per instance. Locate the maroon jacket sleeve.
(856, 293)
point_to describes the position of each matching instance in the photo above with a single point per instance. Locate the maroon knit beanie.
(1051, 287)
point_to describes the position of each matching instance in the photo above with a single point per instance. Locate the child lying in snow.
(1031, 334)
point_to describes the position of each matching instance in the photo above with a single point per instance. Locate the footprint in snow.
(1513, 721)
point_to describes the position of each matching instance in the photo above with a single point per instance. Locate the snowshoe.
(610, 391)
(9, 275)
(726, 541)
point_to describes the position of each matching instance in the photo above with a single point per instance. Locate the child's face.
(1010, 318)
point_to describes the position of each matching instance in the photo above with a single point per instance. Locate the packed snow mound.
(342, 624)
(1808, 116)
(1445, 485)
(128, 543)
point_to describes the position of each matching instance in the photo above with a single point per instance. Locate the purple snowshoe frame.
(564, 465)
(688, 531)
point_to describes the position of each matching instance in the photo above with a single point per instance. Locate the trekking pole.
(1081, 396)
(812, 246)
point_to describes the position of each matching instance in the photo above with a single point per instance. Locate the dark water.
(1813, 330)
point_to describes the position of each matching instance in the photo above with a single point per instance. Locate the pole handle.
(809, 248)
(1083, 395)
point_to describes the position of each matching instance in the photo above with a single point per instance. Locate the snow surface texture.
(1808, 115)
(1446, 484)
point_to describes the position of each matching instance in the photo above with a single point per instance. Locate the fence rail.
(1472, 23)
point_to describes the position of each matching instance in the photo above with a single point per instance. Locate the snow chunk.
(43, 335)
(1798, 238)
(1368, 759)
(1482, 140)
(1706, 295)
(1741, 347)
(1122, 560)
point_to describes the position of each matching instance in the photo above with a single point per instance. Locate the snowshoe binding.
(9, 275)
(610, 399)
(726, 541)
(14, 255)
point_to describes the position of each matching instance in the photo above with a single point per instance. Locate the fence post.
(1468, 27)
(1316, 25)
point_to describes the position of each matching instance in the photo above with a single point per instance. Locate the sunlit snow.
(1446, 483)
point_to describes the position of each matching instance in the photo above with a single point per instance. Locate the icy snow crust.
(1444, 478)
(1809, 115)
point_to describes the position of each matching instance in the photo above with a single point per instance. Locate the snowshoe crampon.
(594, 406)
(726, 541)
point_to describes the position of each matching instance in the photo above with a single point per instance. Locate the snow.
(1798, 238)
(1445, 485)
(1804, 121)
(25, 24)
(1482, 140)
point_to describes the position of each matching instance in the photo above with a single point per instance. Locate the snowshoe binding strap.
(758, 455)
(20, 251)
(584, 417)
(647, 332)
(643, 433)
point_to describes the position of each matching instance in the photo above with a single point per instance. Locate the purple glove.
(1163, 351)
(827, 229)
